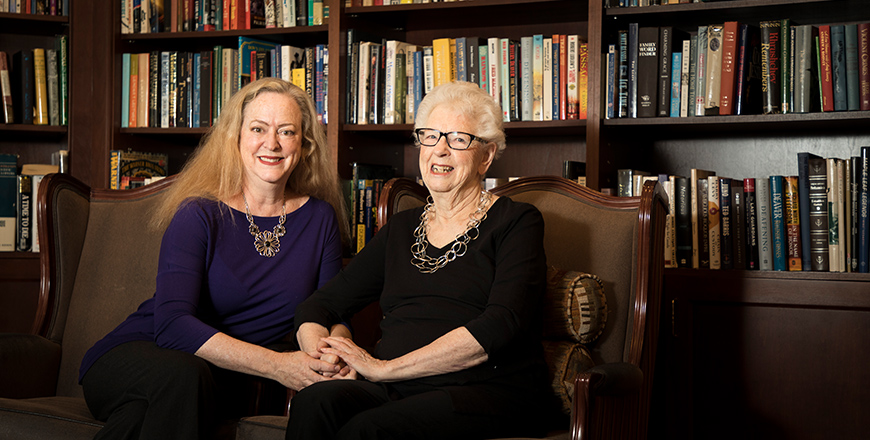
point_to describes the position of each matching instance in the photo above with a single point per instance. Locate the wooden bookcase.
(758, 351)
(19, 271)
(750, 353)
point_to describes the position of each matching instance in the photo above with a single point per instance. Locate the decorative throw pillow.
(575, 307)
(564, 360)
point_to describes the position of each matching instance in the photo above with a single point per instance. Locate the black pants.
(143, 391)
(343, 409)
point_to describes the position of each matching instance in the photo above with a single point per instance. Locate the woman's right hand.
(298, 370)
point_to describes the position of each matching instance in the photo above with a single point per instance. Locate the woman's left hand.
(356, 358)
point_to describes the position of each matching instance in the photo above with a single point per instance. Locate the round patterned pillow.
(575, 307)
(564, 360)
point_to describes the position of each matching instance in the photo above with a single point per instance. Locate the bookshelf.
(750, 351)
(19, 271)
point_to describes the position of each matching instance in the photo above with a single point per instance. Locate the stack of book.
(34, 85)
(735, 68)
(152, 16)
(37, 7)
(535, 78)
(187, 89)
(18, 196)
(814, 220)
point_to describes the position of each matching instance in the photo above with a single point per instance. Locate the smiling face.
(270, 141)
(446, 170)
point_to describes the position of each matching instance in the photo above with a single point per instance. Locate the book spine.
(853, 95)
(855, 193)
(693, 72)
(547, 78)
(8, 199)
(729, 68)
(683, 222)
(818, 213)
(803, 193)
(573, 82)
(538, 78)
(665, 70)
(515, 74)
(686, 58)
(777, 223)
(714, 226)
(24, 214)
(825, 73)
(765, 237)
(714, 70)
(726, 244)
(842, 219)
(648, 46)
(154, 89)
(864, 65)
(833, 196)
(751, 224)
(632, 69)
(770, 63)
(794, 252)
(6, 89)
(838, 67)
(786, 71)
(40, 112)
(701, 80)
(738, 224)
(676, 87)
(526, 78)
(53, 87)
(864, 212)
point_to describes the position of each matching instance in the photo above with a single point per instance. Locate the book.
(134, 164)
(751, 224)
(52, 85)
(683, 221)
(363, 177)
(36, 173)
(714, 69)
(770, 64)
(444, 63)
(738, 223)
(791, 207)
(864, 212)
(805, 70)
(675, 91)
(621, 105)
(726, 234)
(786, 77)
(526, 45)
(803, 191)
(693, 73)
(838, 67)
(573, 81)
(8, 201)
(23, 87)
(826, 82)
(625, 181)
(777, 223)
(8, 114)
(685, 67)
(696, 208)
(833, 197)
(728, 83)
(247, 45)
(714, 225)
(818, 213)
(633, 29)
(765, 231)
(647, 71)
(24, 219)
(701, 72)
(748, 94)
(703, 224)
(853, 94)
(839, 174)
(538, 78)
(667, 40)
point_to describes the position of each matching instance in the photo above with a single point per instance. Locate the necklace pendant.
(267, 244)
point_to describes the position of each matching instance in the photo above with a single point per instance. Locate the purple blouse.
(211, 279)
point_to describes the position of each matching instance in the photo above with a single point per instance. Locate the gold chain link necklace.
(427, 264)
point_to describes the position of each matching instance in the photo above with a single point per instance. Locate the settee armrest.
(615, 379)
(28, 366)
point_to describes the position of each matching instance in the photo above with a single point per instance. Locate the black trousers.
(359, 409)
(143, 391)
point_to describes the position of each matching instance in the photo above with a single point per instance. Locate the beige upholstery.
(99, 263)
(620, 240)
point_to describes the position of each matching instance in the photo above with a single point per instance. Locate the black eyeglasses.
(457, 140)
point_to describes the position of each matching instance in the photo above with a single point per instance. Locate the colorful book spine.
(777, 223)
(791, 206)
(765, 232)
(714, 226)
(728, 83)
(826, 82)
(751, 224)
(770, 66)
(864, 212)
(683, 221)
(676, 87)
(726, 214)
(8, 201)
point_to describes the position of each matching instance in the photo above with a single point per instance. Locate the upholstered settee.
(606, 256)
(99, 262)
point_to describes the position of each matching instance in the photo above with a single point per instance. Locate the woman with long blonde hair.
(254, 225)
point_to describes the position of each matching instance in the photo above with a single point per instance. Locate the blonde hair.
(472, 102)
(215, 170)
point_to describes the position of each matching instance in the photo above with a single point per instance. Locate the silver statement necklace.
(267, 243)
(427, 264)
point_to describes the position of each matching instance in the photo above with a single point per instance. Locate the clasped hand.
(350, 354)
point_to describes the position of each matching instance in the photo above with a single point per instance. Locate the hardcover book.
(8, 114)
(728, 84)
(714, 69)
(791, 207)
(803, 190)
(8, 201)
(765, 232)
(714, 226)
(777, 223)
(818, 213)
(136, 165)
(726, 244)
(665, 70)
(698, 205)
(770, 66)
(738, 224)
(748, 94)
(683, 221)
(24, 235)
(826, 82)
(751, 224)
(647, 71)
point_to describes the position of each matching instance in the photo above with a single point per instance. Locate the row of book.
(34, 85)
(153, 16)
(361, 193)
(642, 3)
(187, 89)
(535, 78)
(39, 7)
(18, 196)
(393, 2)
(132, 169)
(816, 220)
(737, 68)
